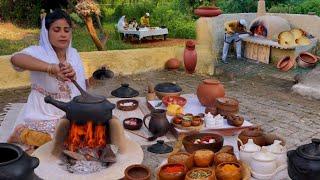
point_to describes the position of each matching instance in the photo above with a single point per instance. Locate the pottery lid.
(264, 155)
(252, 132)
(125, 92)
(250, 146)
(167, 87)
(276, 147)
(310, 151)
(160, 148)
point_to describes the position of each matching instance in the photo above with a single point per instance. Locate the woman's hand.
(67, 70)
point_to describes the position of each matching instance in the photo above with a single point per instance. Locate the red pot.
(173, 64)
(208, 91)
(285, 64)
(190, 57)
(307, 60)
(207, 11)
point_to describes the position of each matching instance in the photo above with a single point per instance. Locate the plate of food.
(188, 122)
(127, 104)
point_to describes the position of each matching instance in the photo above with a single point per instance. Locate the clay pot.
(137, 171)
(254, 133)
(307, 60)
(183, 158)
(227, 149)
(173, 64)
(190, 57)
(223, 157)
(203, 157)
(212, 175)
(221, 174)
(285, 64)
(207, 11)
(15, 163)
(208, 91)
(235, 120)
(172, 176)
(212, 109)
(227, 105)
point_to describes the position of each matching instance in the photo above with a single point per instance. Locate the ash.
(85, 167)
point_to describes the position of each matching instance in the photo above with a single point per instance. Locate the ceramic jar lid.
(310, 151)
(250, 146)
(160, 148)
(276, 147)
(125, 92)
(264, 155)
(167, 87)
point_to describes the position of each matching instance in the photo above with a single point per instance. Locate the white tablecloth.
(145, 32)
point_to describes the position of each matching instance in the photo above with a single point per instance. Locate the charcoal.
(107, 155)
(74, 155)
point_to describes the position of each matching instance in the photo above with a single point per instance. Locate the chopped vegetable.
(197, 174)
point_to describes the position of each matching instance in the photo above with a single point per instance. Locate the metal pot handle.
(144, 120)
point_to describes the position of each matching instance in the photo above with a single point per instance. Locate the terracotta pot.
(285, 64)
(190, 57)
(254, 133)
(307, 60)
(173, 64)
(289, 65)
(172, 176)
(137, 171)
(190, 147)
(203, 157)
(235, 120)
(212, 175)
(182, 157)
(207, 11)
(208, 91)
(228, 175)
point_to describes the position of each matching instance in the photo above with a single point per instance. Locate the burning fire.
(87, 135)
(260, 30)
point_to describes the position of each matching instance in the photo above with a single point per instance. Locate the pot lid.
(310, 151)
(85, 97)
(125, 92)
(264, 155)
(276, 147)
(167, 87)
(160, 148)
(252, 132)
(250, 146)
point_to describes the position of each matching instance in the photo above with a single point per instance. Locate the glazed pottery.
(188, 142)
(279, 151)
(247, 150)
(253, 133)
(137, 171)
(190, 57)
(85, 107)
(158, 124)
(228, 175)
(304, 162)
(307, 60)
(263, 162)
(207, 11)
(16, 164)
(209, 170)
(173, 64)
(208, 91)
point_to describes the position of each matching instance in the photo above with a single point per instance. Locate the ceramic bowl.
(182, 157)
(167, 89)
(127, 104)
(203, 157)
(163, 175)
(137, 126)
(223, 174)
(181, 101)
(188, 142)
(210, 171)
(137, 171)
(235, 120)
(220, 158)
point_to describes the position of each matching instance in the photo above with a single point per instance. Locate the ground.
(264, 93)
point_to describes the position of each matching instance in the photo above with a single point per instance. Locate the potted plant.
(207, 9)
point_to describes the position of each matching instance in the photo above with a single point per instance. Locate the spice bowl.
(201, 173)
(190, 145)
(137, 171)
(172, 171)
(127, 104)
(132, 123)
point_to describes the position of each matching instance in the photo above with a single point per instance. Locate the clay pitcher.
(190, 57)
(158, 124)
(208, 91)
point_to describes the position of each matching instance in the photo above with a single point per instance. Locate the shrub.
(298, 8)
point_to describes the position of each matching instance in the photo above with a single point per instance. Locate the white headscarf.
(121, 23)
(46, 53)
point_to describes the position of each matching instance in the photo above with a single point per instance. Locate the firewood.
(74, 155)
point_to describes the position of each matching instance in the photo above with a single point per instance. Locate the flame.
(259, 30)
(87, 135)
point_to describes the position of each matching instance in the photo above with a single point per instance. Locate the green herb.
(197, 174)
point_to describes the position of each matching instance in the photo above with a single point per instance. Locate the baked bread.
(286, 38)
(297, 33)
(303, 41)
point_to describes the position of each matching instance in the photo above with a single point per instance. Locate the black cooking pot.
(16, 164)
(85, 107)
(304, 162)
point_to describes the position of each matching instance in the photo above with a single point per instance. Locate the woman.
(52, 64)
(122, 24)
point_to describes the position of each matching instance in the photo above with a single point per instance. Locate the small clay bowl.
(163, 175)
(185, 123)
(223, 157)
(181, 101)
(132, 127)
(228, 175)
(183, 158)
(235, 120)
(196, 121)
(210, 177)
(121, 104)
(177, 120)
(227, 149)
(137, 171)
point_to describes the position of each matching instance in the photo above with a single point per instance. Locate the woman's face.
(60, 34)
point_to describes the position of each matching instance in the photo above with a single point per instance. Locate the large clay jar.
(209, 90)
(190, 57)
(15, 163)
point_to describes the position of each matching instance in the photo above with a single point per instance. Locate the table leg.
(165, 36)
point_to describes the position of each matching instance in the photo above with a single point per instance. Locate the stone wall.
(122, 62)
